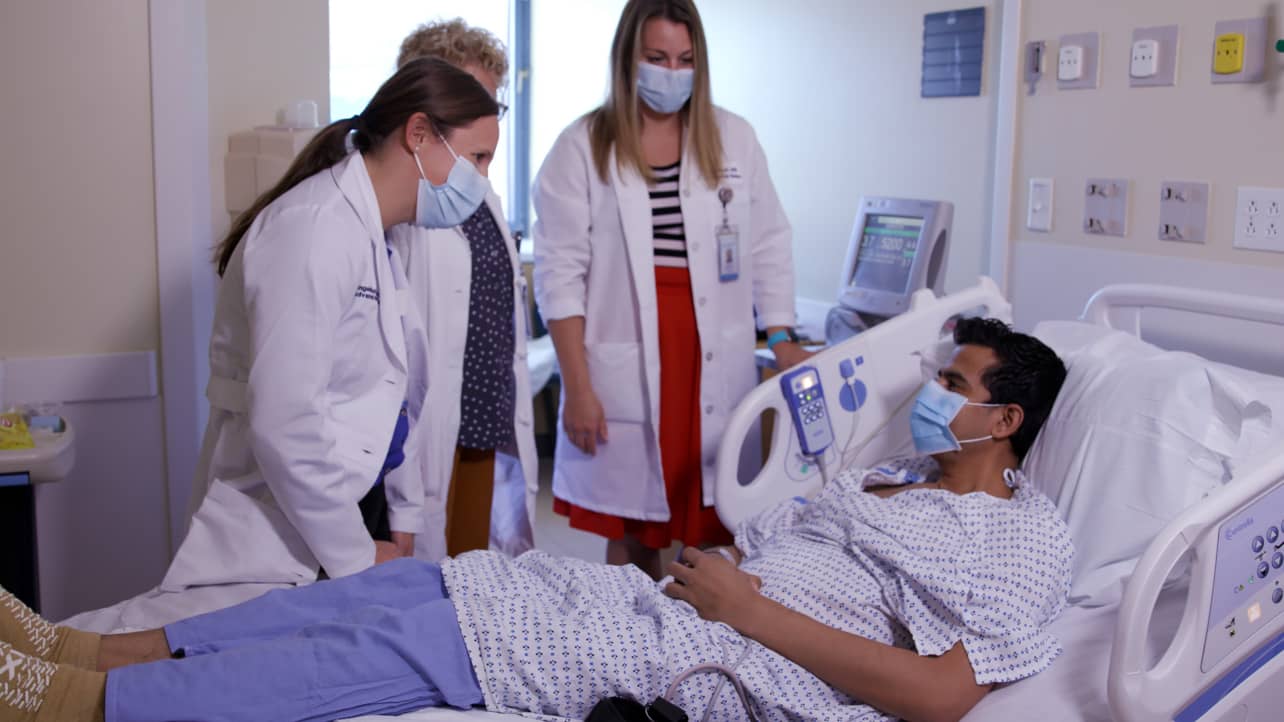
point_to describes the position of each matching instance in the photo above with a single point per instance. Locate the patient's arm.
(896, 681)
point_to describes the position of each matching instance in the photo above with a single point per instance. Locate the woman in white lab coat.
(658, 234)
(315, 360)
(479, 465)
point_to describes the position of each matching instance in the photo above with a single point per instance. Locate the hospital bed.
(1166, 542)
(1167, 467)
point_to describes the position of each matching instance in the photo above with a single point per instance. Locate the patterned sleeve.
(1005, 632)
(1011, 592)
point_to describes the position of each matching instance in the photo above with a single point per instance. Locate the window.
(365, 38)
(568, 79)
(559, 60)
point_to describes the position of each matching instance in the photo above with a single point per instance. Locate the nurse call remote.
(806, 400)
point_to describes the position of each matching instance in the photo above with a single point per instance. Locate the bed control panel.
(1248, 581)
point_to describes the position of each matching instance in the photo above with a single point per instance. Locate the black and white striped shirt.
(666, 218)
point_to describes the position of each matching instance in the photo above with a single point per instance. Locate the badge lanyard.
(728, 241)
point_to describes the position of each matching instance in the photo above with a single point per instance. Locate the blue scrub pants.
(385, 641)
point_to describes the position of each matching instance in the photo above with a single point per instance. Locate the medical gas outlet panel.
(1248, 580)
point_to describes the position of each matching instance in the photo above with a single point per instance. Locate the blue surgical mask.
(449, 204)
(664, 90)
(934, 409)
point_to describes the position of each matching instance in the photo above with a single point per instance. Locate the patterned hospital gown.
(922, 569)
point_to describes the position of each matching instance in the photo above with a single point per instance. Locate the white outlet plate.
(1165, 41)
(1070, 62)
(1038, 216)
(1078, 69)
(1259, 219)
(1145, 58)
(1183, 211)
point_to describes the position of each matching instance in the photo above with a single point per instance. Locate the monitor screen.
(888, 245)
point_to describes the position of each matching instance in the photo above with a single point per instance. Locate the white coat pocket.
(365, 455)
(616, 371)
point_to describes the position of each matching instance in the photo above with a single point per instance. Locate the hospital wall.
(78, 285)
(262, 55)
(1225, 135)
(832, 89)
(78, 254)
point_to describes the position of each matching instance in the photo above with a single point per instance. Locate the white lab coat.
(310, 360)
(438, 266)
(594, 257)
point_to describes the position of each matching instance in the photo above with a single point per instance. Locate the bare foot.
(121, 650)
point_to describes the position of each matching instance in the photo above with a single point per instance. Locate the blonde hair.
(617, 123)
(458, 44)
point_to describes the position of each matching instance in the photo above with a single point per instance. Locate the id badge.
(728, 253)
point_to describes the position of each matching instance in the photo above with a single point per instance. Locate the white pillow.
(1136, 436)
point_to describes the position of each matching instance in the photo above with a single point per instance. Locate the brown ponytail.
(449, 97)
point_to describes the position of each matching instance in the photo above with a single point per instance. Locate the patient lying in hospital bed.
(914, 600)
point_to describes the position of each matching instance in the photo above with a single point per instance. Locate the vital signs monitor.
(897, 247)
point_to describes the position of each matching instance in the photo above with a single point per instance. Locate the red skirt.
(690, 521)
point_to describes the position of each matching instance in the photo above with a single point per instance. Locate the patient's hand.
(716, 588)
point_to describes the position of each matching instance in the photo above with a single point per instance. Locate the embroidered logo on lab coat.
(368, 292)
(730, 173)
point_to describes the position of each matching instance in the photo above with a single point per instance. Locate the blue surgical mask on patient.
(663, 89)
(453, 202)
(934, 408)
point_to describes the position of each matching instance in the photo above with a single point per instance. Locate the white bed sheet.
(155, 608)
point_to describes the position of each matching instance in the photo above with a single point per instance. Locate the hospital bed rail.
(885, 367)
(1205, 673)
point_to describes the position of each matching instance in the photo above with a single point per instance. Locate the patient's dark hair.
(1028, 374)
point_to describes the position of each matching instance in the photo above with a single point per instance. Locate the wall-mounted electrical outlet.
(1153, 60)
(1145, 58)
(1239, 51)
(1070, 62)
(1259, 219)
(1183, 211)
(1105, 207)
(1078, 60)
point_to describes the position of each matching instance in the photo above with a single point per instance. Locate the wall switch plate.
(1078, 61)
(1183, 211)
(1105, 207)
(1159, 43)
(1259, 219)
(1239, 51)
(1038, 216)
